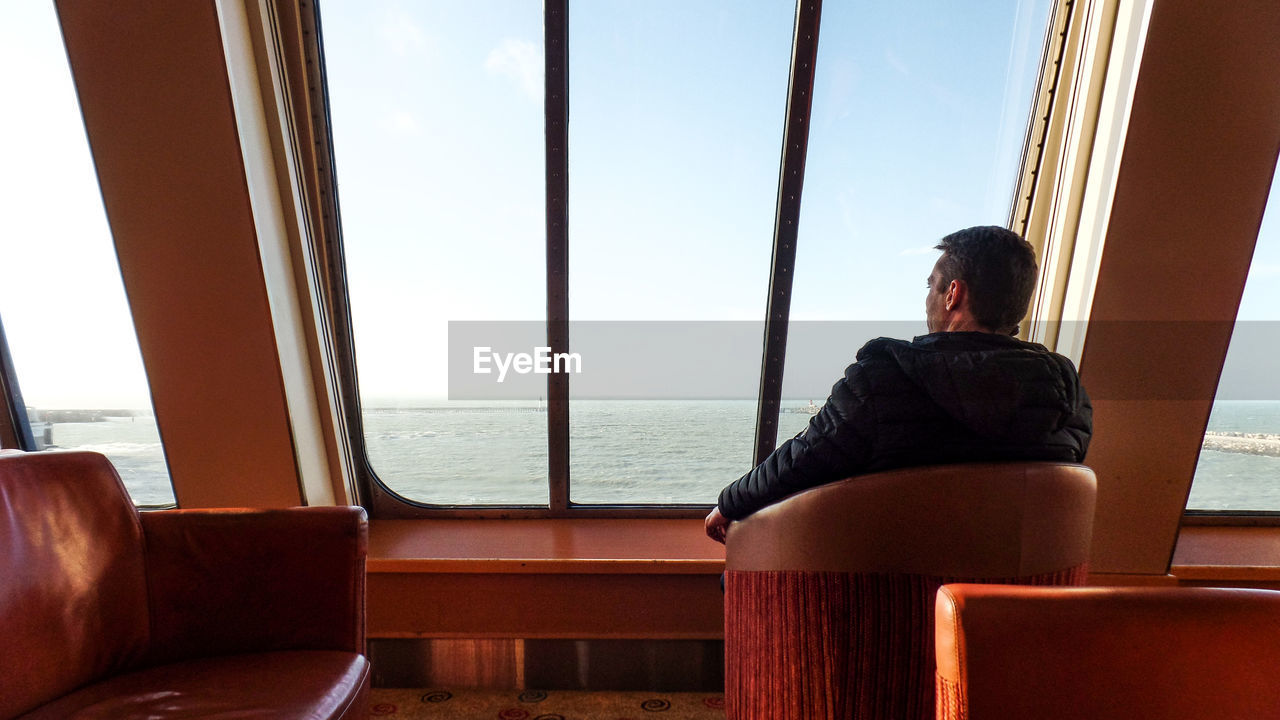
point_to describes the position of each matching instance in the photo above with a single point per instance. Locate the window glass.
(676, 113)
(437, 120)
(1240, 460)
(919, 115)
(63, 303)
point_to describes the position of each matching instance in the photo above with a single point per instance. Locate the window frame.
(377, 496)
(1231, 517)
(15, 426)
(1063, 201)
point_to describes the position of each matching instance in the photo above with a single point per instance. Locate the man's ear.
(955, 295)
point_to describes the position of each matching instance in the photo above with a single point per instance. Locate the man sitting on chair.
(966, 392)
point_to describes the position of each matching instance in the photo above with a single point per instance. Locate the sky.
(62, 301)
(676, 112)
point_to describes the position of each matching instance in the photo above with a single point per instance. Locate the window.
(437, 129)
(918, 122)
(1240, 460)
(676, 116)
(675, 128)
(62, 301)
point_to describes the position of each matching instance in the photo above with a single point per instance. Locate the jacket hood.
(998, 386)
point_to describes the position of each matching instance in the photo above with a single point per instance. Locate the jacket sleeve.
(1080, 426)
(836, 445)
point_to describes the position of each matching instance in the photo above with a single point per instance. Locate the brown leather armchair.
(1104, 653)
(106, 612)
(829, 594)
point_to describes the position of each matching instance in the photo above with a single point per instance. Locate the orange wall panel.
(1192, 186)
(153, 87)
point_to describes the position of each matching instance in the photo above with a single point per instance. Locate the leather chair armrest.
(221, 582)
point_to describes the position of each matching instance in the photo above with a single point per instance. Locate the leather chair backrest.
(836, 584)
(976, 520)
(1107, 653)
(73, 597)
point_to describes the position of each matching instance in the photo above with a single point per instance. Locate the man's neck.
(964, 324)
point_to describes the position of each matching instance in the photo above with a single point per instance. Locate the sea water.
(628, 452)
(1236, 480)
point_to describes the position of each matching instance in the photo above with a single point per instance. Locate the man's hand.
(717, 525)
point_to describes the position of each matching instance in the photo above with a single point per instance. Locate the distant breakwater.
(1267, 444)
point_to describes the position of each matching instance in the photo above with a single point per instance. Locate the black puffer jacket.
(942, 398)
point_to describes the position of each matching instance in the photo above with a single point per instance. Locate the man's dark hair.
(1000, 269)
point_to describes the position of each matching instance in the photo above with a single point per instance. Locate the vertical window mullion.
(15, 428)
(804, 56)
(556, 88)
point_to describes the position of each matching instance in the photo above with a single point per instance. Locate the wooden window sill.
(641, 546)
(1228, 554)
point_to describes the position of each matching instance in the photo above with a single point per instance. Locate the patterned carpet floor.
(539, 705)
